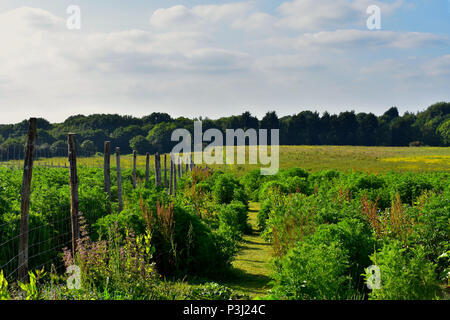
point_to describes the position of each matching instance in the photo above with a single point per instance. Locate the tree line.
(152, 133)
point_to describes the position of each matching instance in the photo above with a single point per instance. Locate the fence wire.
(49, 218)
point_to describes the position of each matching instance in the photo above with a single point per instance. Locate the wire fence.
(49, 221)
(11, 157)
(49, 229)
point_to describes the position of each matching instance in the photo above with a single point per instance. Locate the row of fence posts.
(176, 168)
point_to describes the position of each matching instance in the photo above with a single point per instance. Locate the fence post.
(158, 169)
(147, 168)
(107, 168)
(71, 142)
(119, 180)
(165, 170)
(174, 178)
(25, 201)
(171, 176)
(134, 168)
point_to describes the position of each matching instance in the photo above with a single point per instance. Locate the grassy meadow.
(312, 158)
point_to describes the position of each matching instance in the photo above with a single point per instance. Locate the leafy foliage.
(153, 132)
(406, 274)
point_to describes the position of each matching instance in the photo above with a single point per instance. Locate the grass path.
(252, 264)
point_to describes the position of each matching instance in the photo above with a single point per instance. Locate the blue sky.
(217, 58)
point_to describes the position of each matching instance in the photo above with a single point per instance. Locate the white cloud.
(198, 16)
(172, 17)
(224, 12)
(301, 15)
(358, 39)
(257, 22)
(197, 61)
(24, 18)
(334, 14)
(45, 66)
(365, 39)
(291, 63)
(439, 66)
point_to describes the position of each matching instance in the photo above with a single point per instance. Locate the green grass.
(365, 159)
(252, 264)
(315, 158)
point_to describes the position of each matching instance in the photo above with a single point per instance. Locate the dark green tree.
(141, 145)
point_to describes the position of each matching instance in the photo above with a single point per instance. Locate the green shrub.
(325, 175)
(116, 267)
(291, 218)
(297, 184)
(294, 172)
(235, 216)
(4, 293)
(213, 291)
(271, 187)
(204, 186)
(226, 246)
(226, 188)
(410, 187)
(432, 227)
(310, 271)
(263, 213)
(184, 244)
(355, 238)
(126, 219)
(406, 274)
(369, 182)
(251, 182)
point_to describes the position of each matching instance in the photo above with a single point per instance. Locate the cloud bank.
(216, 60)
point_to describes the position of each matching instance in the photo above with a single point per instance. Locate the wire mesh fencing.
(48, 224)
(50, 215)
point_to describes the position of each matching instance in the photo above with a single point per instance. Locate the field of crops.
(308, 233)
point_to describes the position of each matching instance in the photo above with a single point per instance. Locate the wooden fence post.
(71, 142)
(165, 170)
(119, 180)
(157, 169)
(171, 176)
(174, 178)
(134, 169)
(107, 167)
(147, 167)
(25, 200)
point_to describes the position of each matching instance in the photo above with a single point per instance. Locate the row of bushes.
(183, 241)
(327, 228)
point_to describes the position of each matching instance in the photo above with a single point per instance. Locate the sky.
(221, 58)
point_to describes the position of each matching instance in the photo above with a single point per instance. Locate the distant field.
(368, 159)
(314, 158)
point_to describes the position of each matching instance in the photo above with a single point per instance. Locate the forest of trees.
(152, 133)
